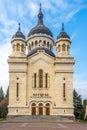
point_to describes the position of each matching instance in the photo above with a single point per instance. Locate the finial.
(40, 7)
(62, 27)
(19, 29)
(40, 16)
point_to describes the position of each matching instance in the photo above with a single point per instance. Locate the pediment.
(41, 57)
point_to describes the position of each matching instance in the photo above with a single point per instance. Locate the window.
(46, 80)
(63, 47)
(22, 48)
(64, 94)
(17, 90)
(40, 78)
(18, 47)
(35, 76)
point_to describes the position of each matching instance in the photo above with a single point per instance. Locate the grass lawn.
(1, 119)
(83, 121)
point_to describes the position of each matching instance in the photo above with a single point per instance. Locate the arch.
(48, 44)
(32, 44)
(40, 78)
(35, 80)
(63, 47)
(46, 80)
(40, 41)
(47, 108)
(50, 47)
(18, 47)
(44, 43)
(40, 109)
(33, 109)
(36, 43)
(58, 48)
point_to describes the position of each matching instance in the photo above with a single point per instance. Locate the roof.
(40, 28)
(49, 52)
(19, 34)
(63, 34)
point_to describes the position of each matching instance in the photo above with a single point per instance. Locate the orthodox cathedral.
(40, 82)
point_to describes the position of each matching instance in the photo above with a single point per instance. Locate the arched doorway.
(33, 109)
(40, 109)
(47, 109)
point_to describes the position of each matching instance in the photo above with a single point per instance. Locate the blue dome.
(63, 34)
(40, 28)
(49, 52)
(19, 34)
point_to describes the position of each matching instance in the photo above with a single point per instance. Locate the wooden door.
(40, 111)
(33, 110)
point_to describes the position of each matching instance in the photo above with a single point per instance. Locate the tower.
(41, 83)
(17, 73)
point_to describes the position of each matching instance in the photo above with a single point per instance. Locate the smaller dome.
(63, 34)
(19, 34)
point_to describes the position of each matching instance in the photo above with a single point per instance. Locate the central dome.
(40, 28)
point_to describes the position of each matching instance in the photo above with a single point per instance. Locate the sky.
(72, 12)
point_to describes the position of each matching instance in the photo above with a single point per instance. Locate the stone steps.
(30, 118)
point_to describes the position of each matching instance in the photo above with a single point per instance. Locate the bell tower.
(17, 73)
(18, 43)
(63, 44)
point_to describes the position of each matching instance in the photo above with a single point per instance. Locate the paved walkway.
(42, 126)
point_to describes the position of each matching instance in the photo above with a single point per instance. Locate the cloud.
(5, 51)
(81, 88)
(74, 35)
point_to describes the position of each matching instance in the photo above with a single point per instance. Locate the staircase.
(29, 118)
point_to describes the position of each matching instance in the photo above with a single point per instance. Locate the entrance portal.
(33, 108)
(47, 109)
(40, 109)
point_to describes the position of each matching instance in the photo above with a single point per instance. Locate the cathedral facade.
(40, 82)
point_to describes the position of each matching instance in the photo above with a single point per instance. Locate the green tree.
(3, 108)
(1, 94)
(78, 106)
(84, 105)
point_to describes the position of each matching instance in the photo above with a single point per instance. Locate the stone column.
(44, 110)
(37, 111)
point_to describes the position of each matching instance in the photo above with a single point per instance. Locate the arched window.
(17, 90)
(64, 47)
(40, 78)
(18, 47)
(46, 80)
(48, 44)
(58, 48)
(44, 43)
(35, 43)
(35, 80)
(64, 91)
